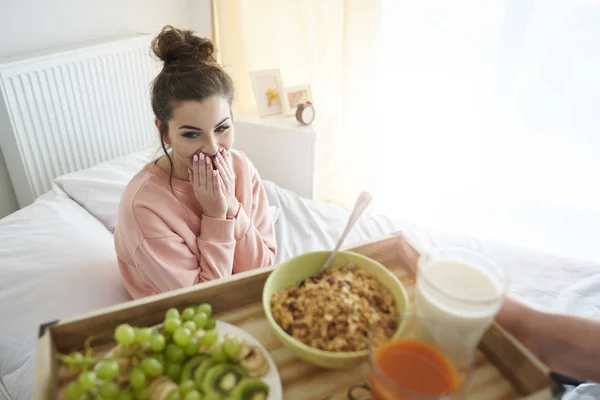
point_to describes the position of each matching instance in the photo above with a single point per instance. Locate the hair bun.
(177, 46)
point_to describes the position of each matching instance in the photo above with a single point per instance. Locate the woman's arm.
(255, 246)
(569, 345)
(167, 262)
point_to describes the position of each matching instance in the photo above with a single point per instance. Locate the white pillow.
(98, 189)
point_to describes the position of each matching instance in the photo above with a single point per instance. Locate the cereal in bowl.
(336, 310)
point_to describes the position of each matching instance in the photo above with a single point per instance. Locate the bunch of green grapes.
(148, 353)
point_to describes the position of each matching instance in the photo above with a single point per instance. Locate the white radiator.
(69, 110)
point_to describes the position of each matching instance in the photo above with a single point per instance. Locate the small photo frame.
(294, 95)
(267, 91)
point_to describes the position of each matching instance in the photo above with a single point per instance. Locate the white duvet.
(58, 260)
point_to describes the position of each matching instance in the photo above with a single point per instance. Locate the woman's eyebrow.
(189, 127)
(222, 122)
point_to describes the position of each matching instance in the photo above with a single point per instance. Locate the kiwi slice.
(222, 378)
(200, 372)
(250, 389)
(190, 367)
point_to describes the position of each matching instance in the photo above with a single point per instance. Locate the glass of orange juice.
(426, 362)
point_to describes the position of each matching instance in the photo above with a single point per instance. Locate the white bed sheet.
(57, 260)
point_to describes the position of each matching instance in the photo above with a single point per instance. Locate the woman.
(200, 211)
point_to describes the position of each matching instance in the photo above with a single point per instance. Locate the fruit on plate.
(190, 367)
(253, 360)
(183, 358)
(201, 371)
(161, 388)
(250, 389)
(222, 379)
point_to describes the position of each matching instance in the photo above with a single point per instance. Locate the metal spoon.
(360, 206)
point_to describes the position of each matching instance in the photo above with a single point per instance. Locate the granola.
(336, 311)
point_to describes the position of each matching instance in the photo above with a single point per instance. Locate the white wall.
(33, 25)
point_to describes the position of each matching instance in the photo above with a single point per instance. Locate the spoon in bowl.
(360, 206)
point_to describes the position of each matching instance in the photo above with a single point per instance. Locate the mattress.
(58, 260)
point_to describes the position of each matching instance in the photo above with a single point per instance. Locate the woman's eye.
(190, 135)
(222, 128)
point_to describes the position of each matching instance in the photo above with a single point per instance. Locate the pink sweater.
(163, 241)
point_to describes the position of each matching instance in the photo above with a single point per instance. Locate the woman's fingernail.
(218, 158)
(195, 157)
(202, 156)
(208, 160)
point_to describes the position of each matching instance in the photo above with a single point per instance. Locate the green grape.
(209, 338)
(87, 380)
(205, 308)
(125, 335)
(109, 390)
(212, 396)
(152, 367)
(73, 391)
(171, 324)
(231, 347)
(172, 313)
(107, 370)
(137, 378)
(200, 319)
(76, 361)
(143, 335)
(210, 324)
(182, 336)
(193, 395)
(191, 325)
(173, 370)
(142, 394)
(174, 353)
(161, 358)
(157, 342)
(188, 314)
(126, 395)
(218, 355)
(187, 386)
(174, 396)
(192, 347)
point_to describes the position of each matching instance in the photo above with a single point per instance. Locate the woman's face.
(200, 127)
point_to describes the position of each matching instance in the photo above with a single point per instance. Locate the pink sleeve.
(254, 232)
(167, 262)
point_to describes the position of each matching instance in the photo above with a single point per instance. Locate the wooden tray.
(504, 369)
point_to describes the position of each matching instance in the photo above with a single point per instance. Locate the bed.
(56, 253)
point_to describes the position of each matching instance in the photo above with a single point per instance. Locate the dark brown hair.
(190, 72)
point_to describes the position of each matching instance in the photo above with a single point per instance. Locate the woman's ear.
(164, 137)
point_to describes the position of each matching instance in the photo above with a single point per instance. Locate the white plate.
(272, 378)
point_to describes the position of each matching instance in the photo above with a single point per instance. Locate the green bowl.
(295, 270)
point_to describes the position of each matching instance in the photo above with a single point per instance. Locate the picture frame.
(267, 91)
(294, 95)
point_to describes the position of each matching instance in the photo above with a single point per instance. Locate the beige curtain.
(331, 45)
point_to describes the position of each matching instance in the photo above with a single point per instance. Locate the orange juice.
(411, 369)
